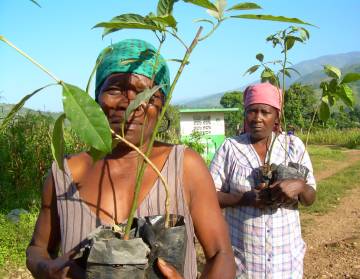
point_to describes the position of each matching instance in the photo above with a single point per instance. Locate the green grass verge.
(349, 138)
(332, 189)
(14, 239)
(322, 155)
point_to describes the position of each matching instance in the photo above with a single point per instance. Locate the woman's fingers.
(167, 270)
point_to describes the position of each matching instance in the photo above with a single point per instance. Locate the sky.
(59, 36)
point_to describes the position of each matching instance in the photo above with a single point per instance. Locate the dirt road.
(333, 239)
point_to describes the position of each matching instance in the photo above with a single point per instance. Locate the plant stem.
(308, 132)
(212, 31)
(134, 147)
(283, 85)
(2, 38)
(179, 39)
(152, 139)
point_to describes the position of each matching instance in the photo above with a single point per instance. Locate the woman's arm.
(210, 226)
(254, 198)
(44, 245)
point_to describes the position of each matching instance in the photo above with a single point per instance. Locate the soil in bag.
(109, 256)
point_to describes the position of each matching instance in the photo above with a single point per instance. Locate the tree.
(299, 105)
(233, 119)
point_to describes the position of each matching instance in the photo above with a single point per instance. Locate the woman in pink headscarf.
(264, 220)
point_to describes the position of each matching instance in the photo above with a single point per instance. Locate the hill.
(6, 108)
(311, 73)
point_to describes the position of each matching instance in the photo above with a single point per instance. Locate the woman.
(264, 221)
(88, 194)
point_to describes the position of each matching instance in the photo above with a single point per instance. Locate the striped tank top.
(77, 220)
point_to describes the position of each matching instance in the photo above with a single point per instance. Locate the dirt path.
(333, 240)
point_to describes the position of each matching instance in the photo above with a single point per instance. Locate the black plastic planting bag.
(109, 256)
(268, 175)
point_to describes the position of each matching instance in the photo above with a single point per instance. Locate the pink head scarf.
(263, 93)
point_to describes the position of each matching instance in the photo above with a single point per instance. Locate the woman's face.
(260, 120)
(117, 91)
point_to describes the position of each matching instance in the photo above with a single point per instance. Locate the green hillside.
(6, 108)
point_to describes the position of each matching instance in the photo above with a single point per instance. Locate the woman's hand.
(167, 270)
(54, 268)
(286, 191)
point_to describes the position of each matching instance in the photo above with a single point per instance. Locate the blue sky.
(60, 37)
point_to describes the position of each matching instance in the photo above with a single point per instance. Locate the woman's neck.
(124, 151)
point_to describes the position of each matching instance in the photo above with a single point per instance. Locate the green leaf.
(351, 77)
(267, 74)
(251, 70)
(332, 71)
(36, 3)
(86, 118)
(305, 35)
(324, 112)
(260, 57)
(286, 72)
(57, 141)
(290, 41)
(203, 3)
(167, 20)
(18, 106)
(220, 6)
(245, 6)
(204, 20)
(127, 21)
(294, 70)
(346, 95)
(178, 60)
(165, 7)
(141, 98)
(272, 18)
(96, 155)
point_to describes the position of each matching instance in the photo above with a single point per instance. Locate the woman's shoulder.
(78, 164)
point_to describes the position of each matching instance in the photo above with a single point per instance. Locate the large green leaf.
(351, 77)
(252, 69)
(57, 141)
(165, 7)
(127, 21)
(324, 112)
(86, 118)
(167, 20)
(141, 98)
(203, 3)
(245, 6)
(18, 106)
(346, 95)
(332, 71)
(272, 18)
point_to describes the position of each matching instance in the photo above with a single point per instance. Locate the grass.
(325, 156)
(14, 239)
(332, 189)
(349, 138)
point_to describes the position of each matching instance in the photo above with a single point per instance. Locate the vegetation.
(233, 120)
(349, 138)
(330, 190)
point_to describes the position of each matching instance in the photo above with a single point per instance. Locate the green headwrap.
(132, 56)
